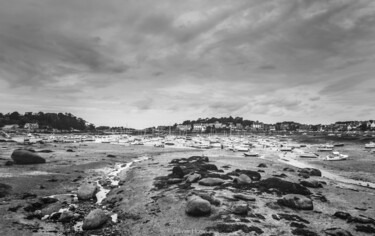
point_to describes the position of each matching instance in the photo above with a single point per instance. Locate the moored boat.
(251, 154)
(336, 156)
(308, 155)
(370, 145)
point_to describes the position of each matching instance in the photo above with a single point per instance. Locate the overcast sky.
(144, 63)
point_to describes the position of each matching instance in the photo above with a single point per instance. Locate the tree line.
(60, 121)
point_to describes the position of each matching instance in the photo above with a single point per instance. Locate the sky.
(145, 63)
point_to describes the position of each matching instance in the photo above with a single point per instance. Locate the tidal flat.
(147, 190)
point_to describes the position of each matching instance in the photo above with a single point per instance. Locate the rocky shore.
(104, 189)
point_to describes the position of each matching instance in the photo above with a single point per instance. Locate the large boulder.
(86, 191)
(283, 186)
(211, 182)
(94, 219)
(297, 201)
(311, 171)
(25, 157)
(196, 206)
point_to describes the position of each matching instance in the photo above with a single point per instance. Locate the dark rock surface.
(25, 157)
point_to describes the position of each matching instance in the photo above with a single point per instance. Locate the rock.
(66, 216)
(110, 155)
(297, 225)
(311, 171)
(4, 190)
(51, 208)
(70, 150)
(254, 175)
(283, 186)
(28, 195)
(178, 172)
(211, 182)
(45, 151)
(174, 181)
(304, 175)
(214, 201)
(192, 178)
(24, 157)
(196, 206)
(229, 228)
(304, 232)
(244, 197)
(282, 175)
(14, 207)
(365, 228)
(311, 184)
(240, 208)
(361, 219)
(342, 215)
(86, 191)
(94, 219)
(55, 216)
(288, 169)
(262, 165)
(242, 179)
(208, 167)
(297, 201)
(9, 163)
(337, 232)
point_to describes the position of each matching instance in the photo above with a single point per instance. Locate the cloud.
(267, 59)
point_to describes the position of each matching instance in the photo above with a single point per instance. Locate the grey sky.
(144, 63)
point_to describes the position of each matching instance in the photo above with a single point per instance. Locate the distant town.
(68, 123)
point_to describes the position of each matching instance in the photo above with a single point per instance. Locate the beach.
(144, 190)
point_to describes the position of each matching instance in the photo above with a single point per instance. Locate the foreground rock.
(25, 157)
(196, 206)
(337, 232)
(94, 219)
(211, 182)
(240, 208)
(297, 201)
(86, 191)
(283, 186)
(193, 177)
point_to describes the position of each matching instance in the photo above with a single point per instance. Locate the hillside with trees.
(60, 121)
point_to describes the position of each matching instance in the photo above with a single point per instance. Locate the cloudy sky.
(144, 62)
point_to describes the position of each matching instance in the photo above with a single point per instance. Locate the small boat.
(325, 148)
(338, 144)
(336, 156)
(370, 145)
(286, 149)
(308, 155)
(251, 154)
(241, 148)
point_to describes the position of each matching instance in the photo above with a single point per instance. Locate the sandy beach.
(145, 191)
